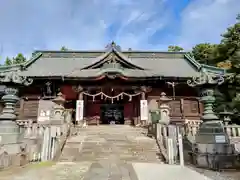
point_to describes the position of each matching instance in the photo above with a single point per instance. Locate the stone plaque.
(44, 110)
(220, 139)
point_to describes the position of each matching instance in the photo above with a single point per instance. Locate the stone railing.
(168, 141)
(167, 137)
(191, 128)
(40, 141)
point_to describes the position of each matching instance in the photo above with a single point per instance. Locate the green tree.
(175, 49)
(229, 51)
(19, 59)
(8, 61)
(204, 53)
(63, 48)
(16, 60)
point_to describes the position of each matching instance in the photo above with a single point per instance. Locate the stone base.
(9, 132)
(208, 158)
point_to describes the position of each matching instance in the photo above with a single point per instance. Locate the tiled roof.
(84, 64)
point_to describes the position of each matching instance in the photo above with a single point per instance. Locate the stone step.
(115, 143)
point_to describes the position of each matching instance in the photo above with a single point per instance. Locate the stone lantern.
(9, 129)
(58, 108)
(164, 108)
(206, 82)
(226, 115)
(212, 143)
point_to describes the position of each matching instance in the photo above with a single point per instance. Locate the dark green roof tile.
(81, 64)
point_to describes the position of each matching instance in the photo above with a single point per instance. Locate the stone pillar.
(9, 130)
(45, 145)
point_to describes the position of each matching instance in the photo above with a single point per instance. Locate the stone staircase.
(114, 143)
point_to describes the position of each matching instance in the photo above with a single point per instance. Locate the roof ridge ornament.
(15, 77)
(113, 46)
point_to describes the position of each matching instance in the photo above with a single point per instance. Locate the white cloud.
(205, 20)
(91, 24)
(84, 24)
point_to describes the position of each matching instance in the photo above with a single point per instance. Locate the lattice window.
(175, 108)
(190, 107)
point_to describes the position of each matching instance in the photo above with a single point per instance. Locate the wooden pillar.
(80, 95)
(143, 96)
(21, 109)
(137, 110)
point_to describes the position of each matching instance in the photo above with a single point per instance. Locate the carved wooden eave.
(15, 78)
(146, 89)
(112, 77)
(78, 88)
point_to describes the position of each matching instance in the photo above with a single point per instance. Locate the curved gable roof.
(113, 52)
(88, 64)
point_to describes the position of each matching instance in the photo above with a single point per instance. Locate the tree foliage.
(225, 55)
(228, 49)
(15, 60)
(63, 48)
(21, 59)
(228, 53)
(175, 49)
(204, 53)
(8, 61)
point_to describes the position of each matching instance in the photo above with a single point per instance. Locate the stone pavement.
(108, 153)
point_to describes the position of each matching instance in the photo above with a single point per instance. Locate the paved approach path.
(108, 153)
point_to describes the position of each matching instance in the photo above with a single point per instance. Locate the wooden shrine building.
(110, 82)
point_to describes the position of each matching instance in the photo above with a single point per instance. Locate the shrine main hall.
(109, 85)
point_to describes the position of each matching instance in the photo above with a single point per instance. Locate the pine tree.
(8, 61)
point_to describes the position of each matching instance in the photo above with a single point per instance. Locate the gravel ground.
(224, 175)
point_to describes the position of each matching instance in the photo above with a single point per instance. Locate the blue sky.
(28, 25)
